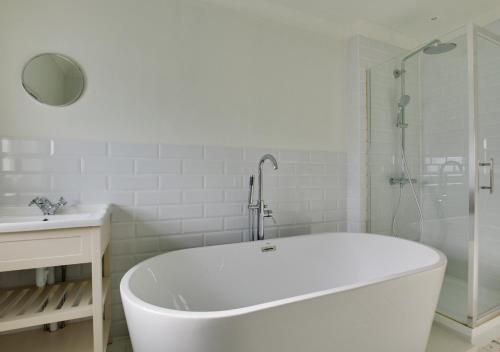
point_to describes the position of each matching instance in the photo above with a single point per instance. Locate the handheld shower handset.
(250, 191)
(404, 100)
(251, 209)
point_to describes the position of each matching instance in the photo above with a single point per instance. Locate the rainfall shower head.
(439, 48)
(404, 100)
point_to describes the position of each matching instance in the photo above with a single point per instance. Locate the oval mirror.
(53, 79)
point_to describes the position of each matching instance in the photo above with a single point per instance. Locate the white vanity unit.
(29, 240)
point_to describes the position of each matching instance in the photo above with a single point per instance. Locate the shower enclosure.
(434, 137)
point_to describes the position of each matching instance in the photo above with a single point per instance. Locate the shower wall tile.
(167, 197)
(367, 53)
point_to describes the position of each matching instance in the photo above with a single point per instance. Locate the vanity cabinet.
(73, 302)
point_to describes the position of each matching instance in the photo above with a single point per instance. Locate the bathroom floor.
(120, 344)
(441, 340)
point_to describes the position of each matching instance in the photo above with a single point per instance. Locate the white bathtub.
(330, 292)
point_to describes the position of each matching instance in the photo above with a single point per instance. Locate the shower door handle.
(491, 165)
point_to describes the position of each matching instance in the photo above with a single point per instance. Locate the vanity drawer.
(45, 248)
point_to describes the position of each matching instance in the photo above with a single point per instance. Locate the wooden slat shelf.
(31, 306)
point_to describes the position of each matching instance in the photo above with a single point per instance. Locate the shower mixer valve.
(401, 180)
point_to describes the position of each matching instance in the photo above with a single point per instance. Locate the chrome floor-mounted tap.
(257, 212)
(46, 206)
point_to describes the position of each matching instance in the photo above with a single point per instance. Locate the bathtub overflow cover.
(268, 249)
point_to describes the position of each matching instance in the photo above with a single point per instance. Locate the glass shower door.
(444, 178)
(486, 62)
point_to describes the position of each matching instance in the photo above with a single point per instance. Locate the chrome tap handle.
(268, 213)
(39, 201)
(35, 201)
(61, 202)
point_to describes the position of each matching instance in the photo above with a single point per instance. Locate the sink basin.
(17, 219)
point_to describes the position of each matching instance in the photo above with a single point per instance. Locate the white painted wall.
(181, 71)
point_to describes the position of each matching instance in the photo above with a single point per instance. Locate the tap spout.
(262, 160)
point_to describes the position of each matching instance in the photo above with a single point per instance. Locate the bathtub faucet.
(258, 211)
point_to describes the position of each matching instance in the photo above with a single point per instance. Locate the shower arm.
(413, 53)
(409, 56)
(403, 86)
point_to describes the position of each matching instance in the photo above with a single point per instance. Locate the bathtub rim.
(127, 294)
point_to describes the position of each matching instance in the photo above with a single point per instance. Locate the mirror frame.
(66, 58)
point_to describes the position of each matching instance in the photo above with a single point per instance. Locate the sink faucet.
(46, 206)
(259, 210)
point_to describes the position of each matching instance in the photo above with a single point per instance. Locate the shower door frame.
(474, 317)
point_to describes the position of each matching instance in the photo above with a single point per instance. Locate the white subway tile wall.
(367, 53)
(168, 197)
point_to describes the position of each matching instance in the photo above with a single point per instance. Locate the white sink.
(17, 219)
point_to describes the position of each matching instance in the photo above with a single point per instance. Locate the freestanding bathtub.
(339, 292)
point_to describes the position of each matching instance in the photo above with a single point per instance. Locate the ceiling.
(408, 18)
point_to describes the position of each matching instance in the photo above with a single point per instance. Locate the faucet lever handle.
(268, 213)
